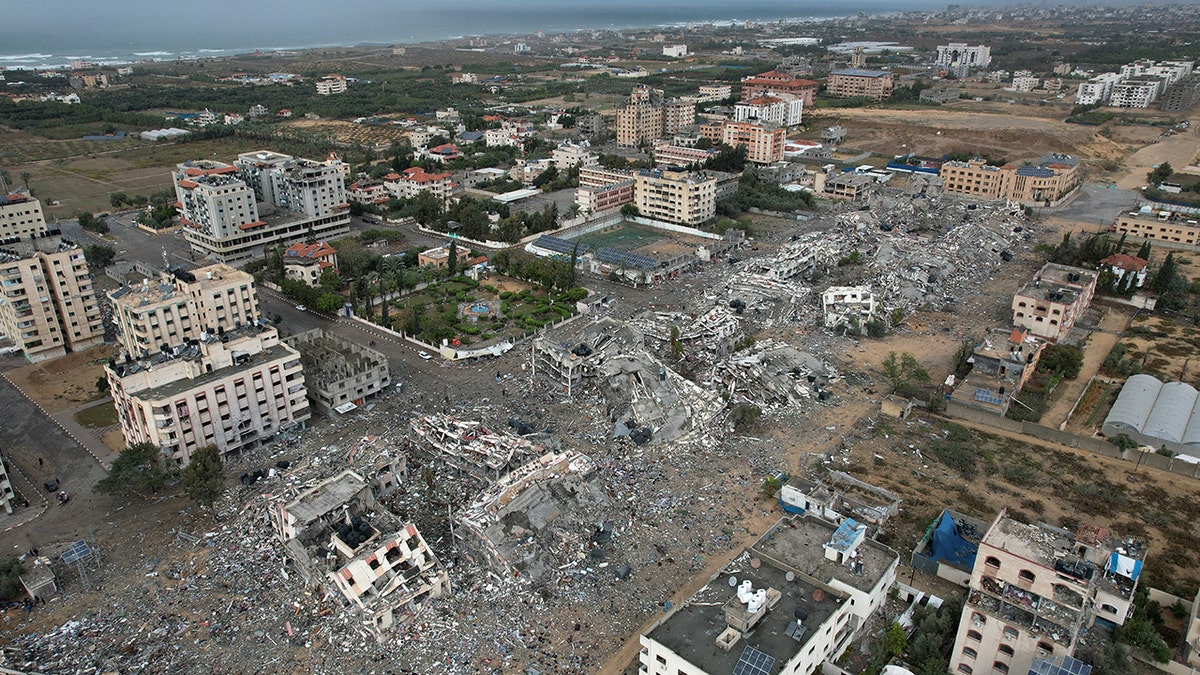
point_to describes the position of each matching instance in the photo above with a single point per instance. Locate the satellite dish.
(732, 582)
(755, 563)
(790, 576)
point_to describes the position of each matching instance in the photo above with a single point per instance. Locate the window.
(1005, 650)
(1011, 633)
(661, 659)
(1026, 575)
(964, 668)
(1045, 648)
(974, 635)
(992, 561)
(969, 653)
(1108, 608)
(1000, 667)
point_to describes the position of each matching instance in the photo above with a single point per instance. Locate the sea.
(53, 34)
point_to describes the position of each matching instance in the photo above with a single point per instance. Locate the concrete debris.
(472, 447)
(773, 374)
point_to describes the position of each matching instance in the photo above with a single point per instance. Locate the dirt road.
(1180, 150)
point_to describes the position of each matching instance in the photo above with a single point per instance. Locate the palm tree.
(25, 176)
(4, 181)
(392, 268)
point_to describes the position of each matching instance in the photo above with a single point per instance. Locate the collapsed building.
(541, 517)
(715, 331)
(339, 536)
(772, 373)
(646, 399)
(838, 497)
(341, 375)
(472, 447)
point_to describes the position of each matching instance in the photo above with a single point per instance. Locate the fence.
(1099, 446)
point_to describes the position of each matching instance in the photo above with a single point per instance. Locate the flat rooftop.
(187, 384)
(800, 543)
(326, 497)
(692, 630)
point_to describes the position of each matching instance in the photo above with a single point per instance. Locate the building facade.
(1160, 226)
(1034, 590)
(770, 110)
(674, 155)
(340, 374)
(219, 203)
(235, 390)
(646, 117)
(331, 84)
(764, 143)
(601, 189)
(960, 54)
(307, 262)
(1047, 182)
(776, 82)
(676, 196)
(855, 83)
(1050, 305)
(182, 306)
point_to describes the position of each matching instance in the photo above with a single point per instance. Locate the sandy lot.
(64, 383)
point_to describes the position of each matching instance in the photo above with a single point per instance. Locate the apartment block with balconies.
(676, 196)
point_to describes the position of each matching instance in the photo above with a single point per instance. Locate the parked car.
(302, 308)
(425, 355)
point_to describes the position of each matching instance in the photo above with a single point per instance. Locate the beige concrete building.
(438, 257)
(797, 598)
(331, 84)
(234, 391)
(646, 117)
(856, 82)
(232, 212)
(341, 375)
(1167, 227)
(601, 189)
(415, 180)
(676, 196)
(183, 305)
(1050, 305)
(1034, 589)
(7, 496)
(48, 304)
(307, 262)
(1048, 182)
(763, 142)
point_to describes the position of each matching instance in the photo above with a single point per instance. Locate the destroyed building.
(772, 373)
(341, 375)
(646, 400)
(949, 546)
(797, 598)
(838, 497)
(1036, 590)
(715, 331)
(1001, 365)
(848, 306)
(1057, 297)
(547, 514)
(473, 448)
(339, 536)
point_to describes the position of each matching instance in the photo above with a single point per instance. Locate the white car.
(424, 355)
(302, 308)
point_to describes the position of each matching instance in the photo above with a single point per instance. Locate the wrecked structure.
(539, 518)
(1002, 363)
(838, 497)
(646, 399)
(471, 447)
(341, 375)
(714, 331)
(338, 536)
(772, 373)
(795, 599)
(948, 547)
(848, 306)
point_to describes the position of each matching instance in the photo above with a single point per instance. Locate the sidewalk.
(89, 439)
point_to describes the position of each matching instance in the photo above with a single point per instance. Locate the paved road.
(1095, 205)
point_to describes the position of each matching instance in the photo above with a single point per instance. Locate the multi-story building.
(770, 110)
(854, 83)
(182, 306)
(1048, 182)
(1097, 90)
(307, 262)
(959, 54)
(675, 51)
(776, 82)
(676, 196)
(1169, 72)
(1160, 226)
(569, 155)
(601, 189)
(438, 257)
(232, 389)
(415, 180)
(1182, 96)
(714, 92)
(340, 375)
(219, 203)
(331, 84)
(799, 597)
(47, 302)
(1135, 93)
(851, 306)
(763, 142)
(20, 215)
(1025, 83)
(7, 496)
(674, 155)
(646, 116)
(369, 192)
(1050, 305)
(1035, 589)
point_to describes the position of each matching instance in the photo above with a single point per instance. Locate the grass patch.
(97, 416)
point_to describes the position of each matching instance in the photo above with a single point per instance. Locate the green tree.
(743, 415)
(903, 371)
(1160, 173)
(141, 469)
(99, 256)
(1165, 276)
(629, 211)
(1114, 659)
(676, 345)
(118, 199)
(894, 640)
(1065, 360)
(10, 579)
(452, 260)
(25, 176)
(1144, 251)
(427, 208)
(1124, 442)
(203, 477)
(329, 302)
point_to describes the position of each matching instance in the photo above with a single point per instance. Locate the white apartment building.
(1025, 83)
(47, 302)
(1097, 90)
(331, 84)
(415, 180)
(234, 391)
(775, 110)
(219, 203)
(1035, 589)
(960, 54)
(182, 305)
(1169, 72)
(6, 490)
(1135, 93)
(674, 155)
(675, 51)
(811, 593)
(676, 196)
(1050, 305)
(340, 375)
(569, 155)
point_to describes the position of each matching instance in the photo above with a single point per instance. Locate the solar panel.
(618, 257)
(988, 397)
(754, 662)
(559, 245)
(78, 551)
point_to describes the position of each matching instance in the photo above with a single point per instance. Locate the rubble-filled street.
(567, 489)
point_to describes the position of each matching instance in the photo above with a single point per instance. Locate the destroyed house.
(472, 447)
(1050, 305)
(1036, 589)
(797, 598)
(839, 497)
(948, 548)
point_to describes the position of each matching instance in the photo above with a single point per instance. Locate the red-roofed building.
(1121, 264)
(416, 180)
(446, 152)
(307, 262)
(369, 192)
(774, 82)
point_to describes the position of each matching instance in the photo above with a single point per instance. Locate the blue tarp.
(950, 546)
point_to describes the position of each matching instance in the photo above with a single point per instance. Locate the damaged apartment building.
(341, 374)
(795, 599)
(340, 537)
(1036, 590)
(647, 401)
(772, 373)
(538, 519)
(471, 447)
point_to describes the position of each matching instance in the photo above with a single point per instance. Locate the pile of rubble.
(471, 446)
(773, 374)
